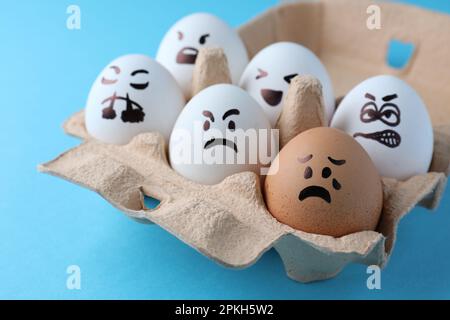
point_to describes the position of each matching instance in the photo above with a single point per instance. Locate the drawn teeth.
(388, 138)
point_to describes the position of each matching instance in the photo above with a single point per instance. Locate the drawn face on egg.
(130, 97)
(210, 122)
(388, 113)
(179, 49)
(319, 191)
(210, 138)
(324, 182)
(389, 119)
(269, 73)
(133, 113)
(271, 96)
(188, 55)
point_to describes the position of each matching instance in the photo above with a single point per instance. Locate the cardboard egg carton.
(229, 222)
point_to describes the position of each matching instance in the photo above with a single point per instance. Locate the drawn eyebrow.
(138, 72)
(305, 159)
(390, 97)
(369, 96)
(337, 162)
(208, 114)
(261, 74)
(230, 113)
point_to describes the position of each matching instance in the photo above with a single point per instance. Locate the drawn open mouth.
(220, 142)
(187, 55)
(389, 138)
(272, 97)
(315, 191)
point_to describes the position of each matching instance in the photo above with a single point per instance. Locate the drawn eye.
(139, 86)
(369, 112)
(390, 114)
(206, 125)
(289, 77)
(231, 125)
(308, 173)
(107, 81)
(261, 74)
(203, 38)
(180, 35)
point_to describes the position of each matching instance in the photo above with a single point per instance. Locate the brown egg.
(324, 182)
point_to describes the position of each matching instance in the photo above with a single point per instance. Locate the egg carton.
(229, 222)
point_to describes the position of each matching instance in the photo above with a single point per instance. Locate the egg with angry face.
(269, 73)
(220, 132)
(323, 182)
(180, 46)
(132, 95)
(389, 119)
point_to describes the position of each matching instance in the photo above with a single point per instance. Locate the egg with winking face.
(132, 95)
(269, 73)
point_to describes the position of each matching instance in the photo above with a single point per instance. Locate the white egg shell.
(390, 120)
(215, 115)
(132, 95)
(179, 47)
(268, 75)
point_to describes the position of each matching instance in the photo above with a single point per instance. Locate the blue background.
(47, 224)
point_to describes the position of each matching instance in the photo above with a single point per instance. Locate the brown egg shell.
(345, 198)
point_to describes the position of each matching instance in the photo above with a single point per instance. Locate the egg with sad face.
(220, 132)
(132, 95)
(390, 120)
(323, 182)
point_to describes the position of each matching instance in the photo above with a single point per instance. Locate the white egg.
(179, 48)
(132, 95)
(220, 132)
(389, 119)
(269, 73)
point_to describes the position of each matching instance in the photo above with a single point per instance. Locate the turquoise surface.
(47, 224)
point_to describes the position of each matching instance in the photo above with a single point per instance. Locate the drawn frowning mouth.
(315, 191)
(272, 97)
(220, 142)
(187, 55)
(389, 138)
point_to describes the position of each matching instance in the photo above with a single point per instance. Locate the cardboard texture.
(211, 68)
(305, 91)
(229, 222)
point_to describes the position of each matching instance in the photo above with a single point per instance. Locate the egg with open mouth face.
(269, 73)
(132, 95)
(324, 182)
(390, 120)
(180, 46)
(220, 132)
